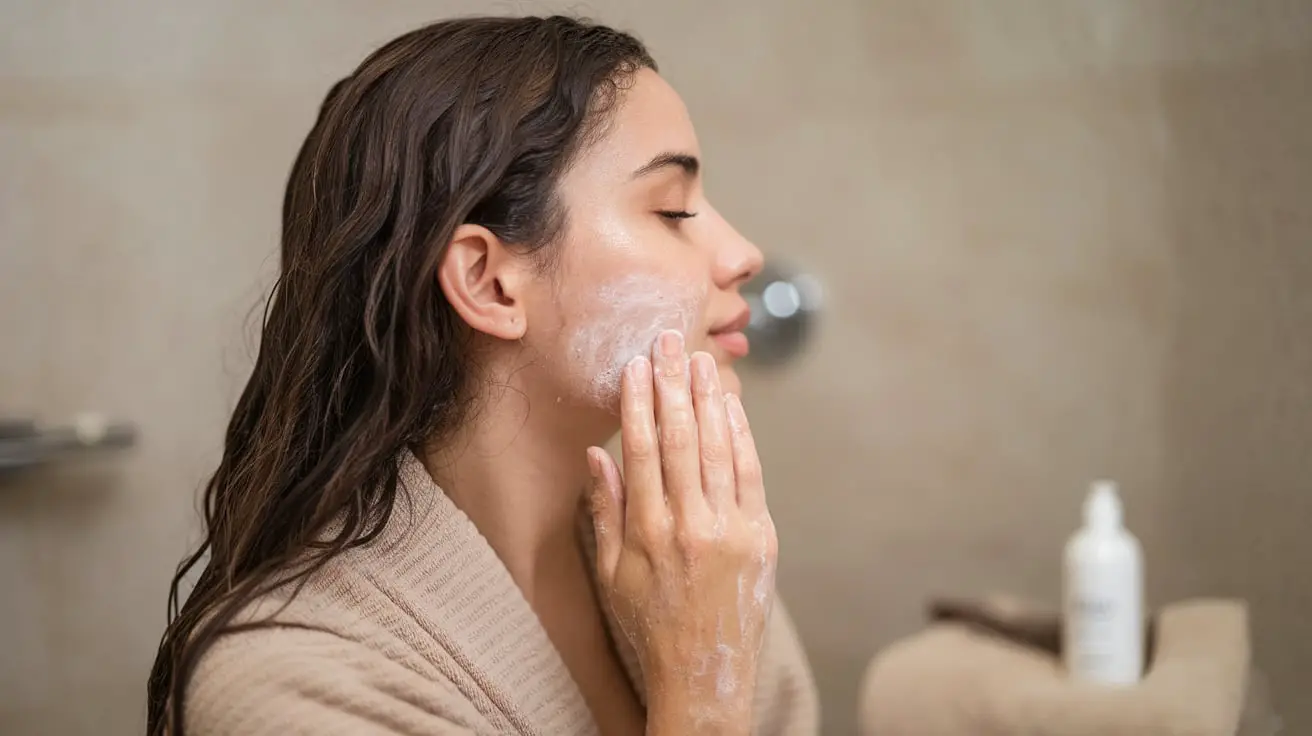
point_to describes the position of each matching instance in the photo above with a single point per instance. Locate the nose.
(737, 259)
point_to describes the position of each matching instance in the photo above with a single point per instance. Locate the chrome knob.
(784, 308)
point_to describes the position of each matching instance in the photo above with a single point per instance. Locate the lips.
(733, 343)
(730, 336)
(737, 324)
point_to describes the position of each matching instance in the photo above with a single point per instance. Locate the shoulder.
(289, 680)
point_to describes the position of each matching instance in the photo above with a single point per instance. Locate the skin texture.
(687, 548)
(686, 542)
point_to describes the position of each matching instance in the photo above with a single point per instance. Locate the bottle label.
(1103, 637)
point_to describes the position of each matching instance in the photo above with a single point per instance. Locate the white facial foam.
(628, 314)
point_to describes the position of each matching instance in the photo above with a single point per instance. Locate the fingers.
(676, 425)
(644, 495)
(746, 463)
(716, 450)
(607, 511)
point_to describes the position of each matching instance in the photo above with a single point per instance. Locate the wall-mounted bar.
(26, 444)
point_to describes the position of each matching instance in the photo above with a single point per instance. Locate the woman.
(496, 253)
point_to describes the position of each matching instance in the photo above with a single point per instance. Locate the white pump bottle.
(1103, 622)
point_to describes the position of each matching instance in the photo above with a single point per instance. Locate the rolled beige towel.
(993, 667)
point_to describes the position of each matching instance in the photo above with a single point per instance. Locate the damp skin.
(628, 314)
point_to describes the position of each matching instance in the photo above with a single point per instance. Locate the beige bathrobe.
(424, 632)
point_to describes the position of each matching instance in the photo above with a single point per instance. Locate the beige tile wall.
(1059, 240)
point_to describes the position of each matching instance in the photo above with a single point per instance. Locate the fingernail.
(594, 463)
(638, 368)
(671, 343)
(704, 367)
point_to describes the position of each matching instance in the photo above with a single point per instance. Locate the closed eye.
(676, 214)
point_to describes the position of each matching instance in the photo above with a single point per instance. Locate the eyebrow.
(687, 162)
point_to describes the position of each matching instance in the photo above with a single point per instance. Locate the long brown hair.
(463, 121)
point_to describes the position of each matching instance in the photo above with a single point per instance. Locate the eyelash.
(676, 214)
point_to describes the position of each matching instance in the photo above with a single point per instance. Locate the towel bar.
(24, 444)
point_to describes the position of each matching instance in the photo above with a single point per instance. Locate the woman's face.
(643, 251)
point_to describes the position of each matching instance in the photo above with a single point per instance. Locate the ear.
(484, 282)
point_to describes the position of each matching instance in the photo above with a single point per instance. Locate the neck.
(519, 472)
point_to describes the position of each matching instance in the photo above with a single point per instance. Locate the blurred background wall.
(1060, 239)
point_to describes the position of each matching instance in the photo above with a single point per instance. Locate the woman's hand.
(686, 547)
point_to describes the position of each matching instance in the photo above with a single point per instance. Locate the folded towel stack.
(993, 667)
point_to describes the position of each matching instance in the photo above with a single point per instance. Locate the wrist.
(688, 709)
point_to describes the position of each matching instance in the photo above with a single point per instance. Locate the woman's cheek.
(620, 321)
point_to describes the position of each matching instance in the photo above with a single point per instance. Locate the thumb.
(607, 511)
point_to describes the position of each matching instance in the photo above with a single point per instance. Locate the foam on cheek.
(628, 315)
